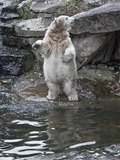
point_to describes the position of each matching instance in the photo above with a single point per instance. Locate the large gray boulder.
(117, 47)
(93, 38)
(90, 4)
(99, 20)
(94, 48)
(31, 28)
(44, 7)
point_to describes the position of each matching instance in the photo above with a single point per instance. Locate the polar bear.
(58, 51)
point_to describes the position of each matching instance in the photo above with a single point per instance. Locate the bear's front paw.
(37, 44)
(67, 57)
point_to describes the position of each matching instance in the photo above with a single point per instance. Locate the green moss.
(70, 7)
(24, 15)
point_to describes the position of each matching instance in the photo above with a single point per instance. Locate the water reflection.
(68, 127)
(59, 129)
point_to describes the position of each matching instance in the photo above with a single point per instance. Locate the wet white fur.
(59, 59)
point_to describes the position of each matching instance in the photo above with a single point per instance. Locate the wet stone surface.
(15, 57)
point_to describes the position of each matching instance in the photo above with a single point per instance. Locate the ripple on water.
(6, 158)
(31, 123)
(82, 144)
(12, 140)
(32, 142)
(60, 130)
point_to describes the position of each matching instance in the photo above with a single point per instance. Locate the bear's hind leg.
(53, 91)
(70, 90)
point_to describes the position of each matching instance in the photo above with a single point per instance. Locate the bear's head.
(64, 22)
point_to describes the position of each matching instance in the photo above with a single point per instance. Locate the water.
(58, 129)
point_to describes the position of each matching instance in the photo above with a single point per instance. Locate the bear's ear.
(56, 20)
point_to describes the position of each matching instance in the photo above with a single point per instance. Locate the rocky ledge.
(103, 19)
(95, 33)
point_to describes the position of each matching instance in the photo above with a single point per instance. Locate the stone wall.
(95, 33)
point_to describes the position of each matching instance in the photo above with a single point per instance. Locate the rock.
(10, 5)
(117, 47)
(23, 9)
(8, 28)
(94, 79)
(38, 9)
(89, 4)
(24, 5)
(98, 75)
(9, 36)
(99, 20)
(30, 80)
(9, 16)
(13, 41)
(95, 3)
(86, 46)
(118, 94)
(42, 7)
(15, 62)
(113, 149)
(94, 48)
(104, 53)
(31, 28)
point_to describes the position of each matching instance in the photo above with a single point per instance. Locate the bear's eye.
(66, 18)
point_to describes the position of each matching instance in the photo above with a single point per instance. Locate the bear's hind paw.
(49, 97)
(73, 98)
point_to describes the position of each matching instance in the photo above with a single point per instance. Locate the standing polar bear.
(59, 55)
